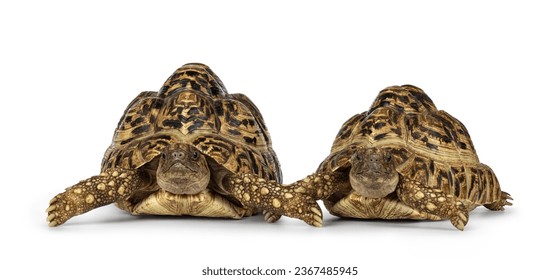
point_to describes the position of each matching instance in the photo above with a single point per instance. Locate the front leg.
(277, 199)
(433, 201)
(110, 186)
(297, 200)
(317, 185)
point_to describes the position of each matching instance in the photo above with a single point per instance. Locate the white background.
(68, 70)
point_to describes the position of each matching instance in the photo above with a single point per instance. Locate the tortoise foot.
(270, 217)
(501, 203)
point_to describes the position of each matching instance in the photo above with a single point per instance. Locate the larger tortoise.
(184, 151)
(404, 159)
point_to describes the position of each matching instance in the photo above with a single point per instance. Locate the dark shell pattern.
(194, 107)
(429, 145)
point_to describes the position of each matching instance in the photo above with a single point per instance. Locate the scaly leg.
(290, 200)
(110, 186)
(297, 200)
(433, 201)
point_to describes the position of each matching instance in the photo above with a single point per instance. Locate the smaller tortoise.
(184, 151)
(404, 159)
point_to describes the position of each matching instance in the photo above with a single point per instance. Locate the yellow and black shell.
(427, 144)
(194, 107)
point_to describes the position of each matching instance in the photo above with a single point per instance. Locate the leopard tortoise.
(403, 159)
(184, 151)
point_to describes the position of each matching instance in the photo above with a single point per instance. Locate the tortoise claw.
(270, 217)
(51, 208)
(313, 217)
(59, 211)
(499, 204)
(51, 216)
(461, 219)
(318, 217)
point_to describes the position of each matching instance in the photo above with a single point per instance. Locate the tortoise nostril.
(178, 155)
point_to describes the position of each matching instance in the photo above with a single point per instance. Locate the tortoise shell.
(427, 144)
(194, 107)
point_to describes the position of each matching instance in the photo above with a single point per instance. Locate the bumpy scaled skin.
(403, 159)
(287, 200)
(176, 148)
(110, 186)
(118, 184)
(433, 201)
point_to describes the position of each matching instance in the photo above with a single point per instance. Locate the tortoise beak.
(180, 167)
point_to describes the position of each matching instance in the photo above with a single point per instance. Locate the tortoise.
(183, 151)
(404, 159)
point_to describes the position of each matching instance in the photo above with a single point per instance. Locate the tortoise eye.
(388, 158)
(195, 155)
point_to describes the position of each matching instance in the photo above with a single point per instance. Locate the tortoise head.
(182, 170)
(373, 173)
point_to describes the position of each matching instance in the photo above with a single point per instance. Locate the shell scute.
(194, 107)
(405, 117)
